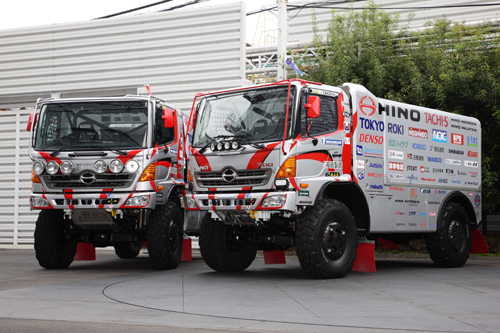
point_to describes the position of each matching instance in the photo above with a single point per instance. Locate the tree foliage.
(447, 66)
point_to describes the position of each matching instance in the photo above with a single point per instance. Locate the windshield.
(254, 115)
(88, 125)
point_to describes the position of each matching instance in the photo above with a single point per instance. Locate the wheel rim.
(173, 236)
(456, 235)
(334, 241)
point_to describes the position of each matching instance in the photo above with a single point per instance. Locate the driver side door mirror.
(168, 118)
(312, 106)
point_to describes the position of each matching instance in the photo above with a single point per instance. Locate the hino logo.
(87, 178)
(229, 175)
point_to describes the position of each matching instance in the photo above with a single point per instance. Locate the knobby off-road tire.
(221, 250)
(165, 236)
(326, 239)
(54, 247)
(450, 245)
(128, 250)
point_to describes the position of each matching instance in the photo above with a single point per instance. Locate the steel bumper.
(240, 201)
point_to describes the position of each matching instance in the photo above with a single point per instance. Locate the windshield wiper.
(117, 151)
(246, 141)
(56, 152)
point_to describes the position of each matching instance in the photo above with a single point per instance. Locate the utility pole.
(282, 37)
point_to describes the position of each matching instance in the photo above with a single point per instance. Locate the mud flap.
(365, 258)
(478, 243)
(84, 252)
(387, 244)
(187, 252)
(274, 257)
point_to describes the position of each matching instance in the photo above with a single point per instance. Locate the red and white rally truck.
(107, 171)
(298, 163)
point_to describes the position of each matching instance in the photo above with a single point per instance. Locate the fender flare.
(462, 199)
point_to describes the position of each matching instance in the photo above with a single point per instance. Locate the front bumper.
(240, 201)
(104, 200)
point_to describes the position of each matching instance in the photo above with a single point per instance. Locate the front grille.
(107, 180)
(244, 178)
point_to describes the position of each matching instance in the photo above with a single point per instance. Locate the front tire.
(54, 246)
(165, 236)
(221, 248)
(128, 250)
(326, 240)
(450, 245)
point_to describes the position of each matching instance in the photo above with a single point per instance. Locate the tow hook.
(117, 213)
(67, 214)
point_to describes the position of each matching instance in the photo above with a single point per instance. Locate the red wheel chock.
(84, 251)
(478, 243)
(187, 251)
(365, 258)
(387, 244)
(274, 257)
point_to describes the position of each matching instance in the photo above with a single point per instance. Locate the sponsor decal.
(423, 224)
(395, 129)
(347, 140)
(439, 136)
(159, 195)
(359, 150)
(432, 213)
(173, 151)
(477, 200)
(428, 179)
(361, 176)
(453, 162)
(375, 165)
(373, 125)
(374, 174)
(469, 194)
(472, 141)
(300, 202)
(436, 120)
(332, 174)
(412, 213)
(473, 174)
(347, 126)
(303, 193)
(417, 132)
(333, 164)
(460, 173)
(413, 193)
(457, 139)
(450, 172)
(471, 164)
(396, 188)
(412, 177)
(376, 187)
(424, 169)
(396, 154)
(472, 154)
(393, 111)
(419, 146)
(425, 191)
(374, 152)
(455, 151)
(400, 213)
(396, 176)
(394, 166)
(411, 168)
(412, 224)
(414, 157)
(374, 139)
(471, 183)
(330, 142)
(440, 192)
(400, 224)
(443, 180)
(360, 164)
(432, 202)
(434, 159)
(456, 181)
(437, 170)
(367, 106)
(437, 149)
(398, 143)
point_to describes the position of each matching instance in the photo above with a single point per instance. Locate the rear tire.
(221, 249)
(450, 245)
(54, 246)
(128, 250)
(326, 240)
(165, 236)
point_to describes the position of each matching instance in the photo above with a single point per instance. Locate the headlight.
(37, 168)
(131, 166)
(275, 201)
(191, 203)
(116, 166)
(52, 167)
(141, 200)
(227, 145)
(219, 146)
(235, 145)
(100, 166)
(39, 202)
(66, 167)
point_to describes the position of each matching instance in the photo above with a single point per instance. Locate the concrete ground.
(116, 295)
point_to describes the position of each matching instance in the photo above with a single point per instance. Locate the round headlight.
(235, 145)
(66, 167)
(37, 168)
(116, 166)
(100, 166)
(52, 167)
(131, 166)
(212, 146)
(227, 145)
(219, 146)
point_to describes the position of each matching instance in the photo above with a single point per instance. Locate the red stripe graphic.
(48, 158)
(260, 156)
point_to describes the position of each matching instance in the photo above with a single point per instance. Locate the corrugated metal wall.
(177, 53)
(300, 26)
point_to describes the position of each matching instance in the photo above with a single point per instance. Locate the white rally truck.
(298, 163)
(107, 171)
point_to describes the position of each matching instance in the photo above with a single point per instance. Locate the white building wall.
(177, 53)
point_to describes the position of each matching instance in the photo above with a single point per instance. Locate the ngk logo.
(367, 106)
(457, 139)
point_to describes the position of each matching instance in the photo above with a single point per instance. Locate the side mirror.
(312, 106)
(31, 121)
(168, 118)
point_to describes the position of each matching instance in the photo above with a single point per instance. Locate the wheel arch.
(173, 193)
(352, 196)
(460, 198)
